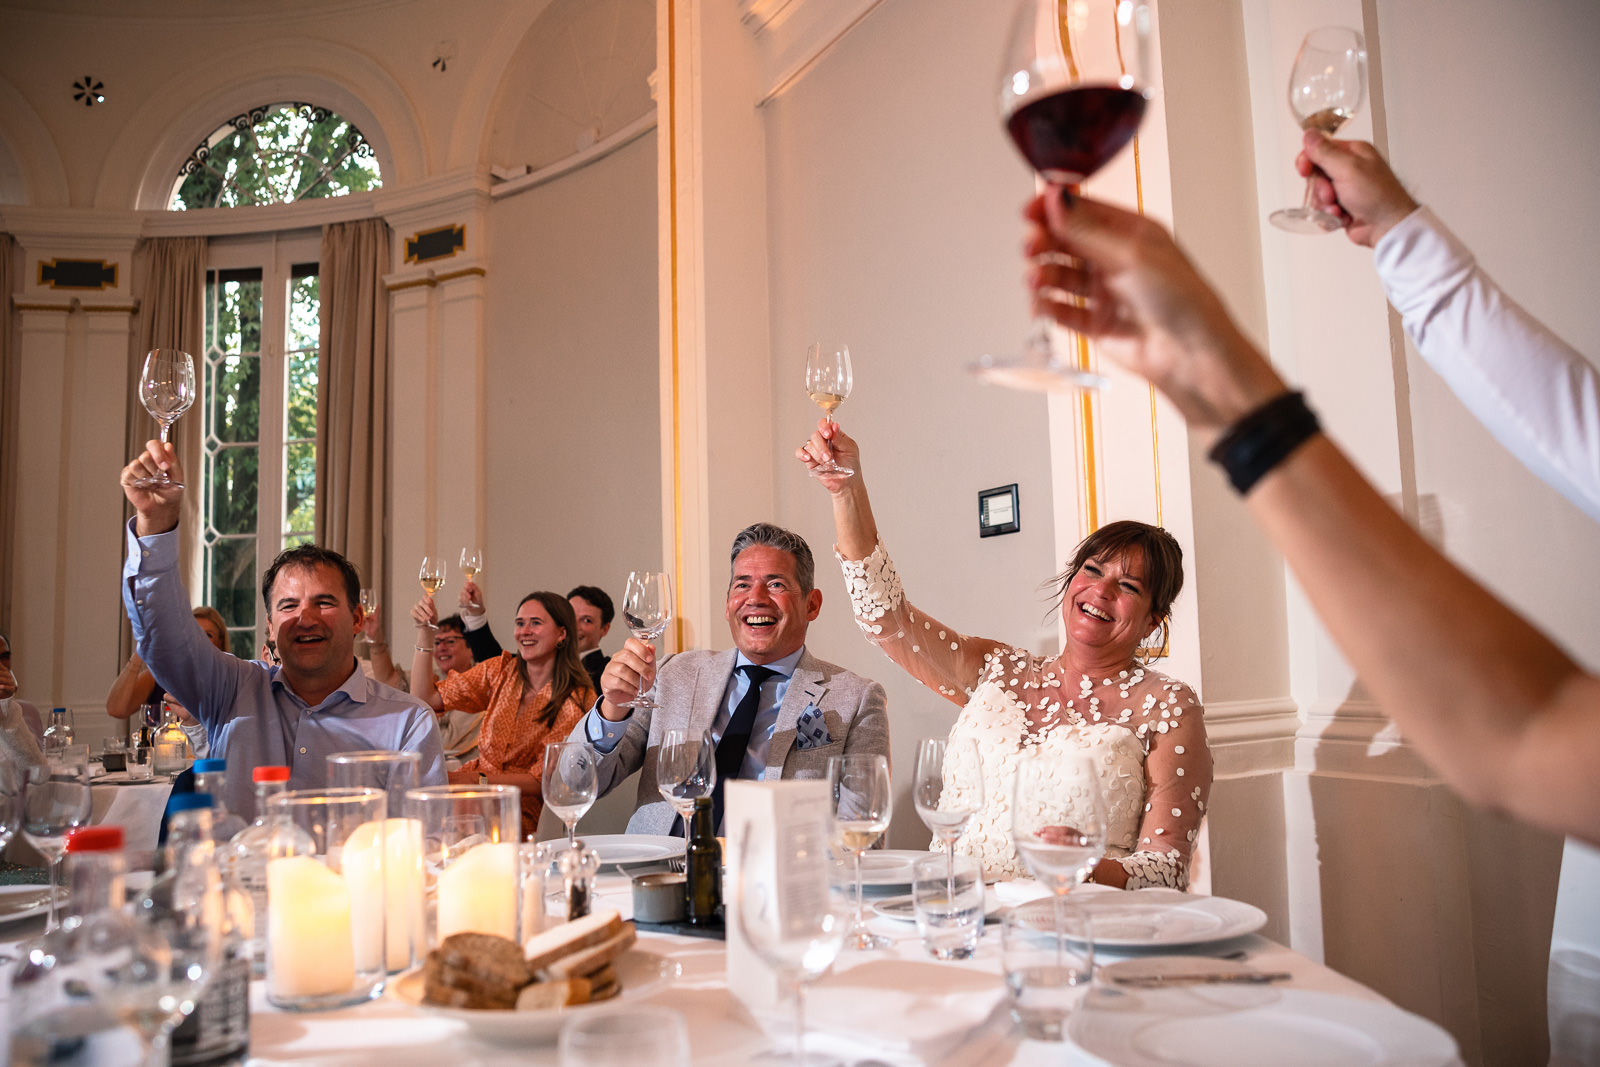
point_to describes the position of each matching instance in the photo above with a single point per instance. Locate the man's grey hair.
(764, 533)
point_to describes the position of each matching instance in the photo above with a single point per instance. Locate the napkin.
(909, 1012)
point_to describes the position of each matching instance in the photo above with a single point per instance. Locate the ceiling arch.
(36, 177)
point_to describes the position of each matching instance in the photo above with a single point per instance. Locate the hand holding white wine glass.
(167, 389)
(829, 379)
(647, 609)
(1326, 88)
(862, 804)
(431, 575)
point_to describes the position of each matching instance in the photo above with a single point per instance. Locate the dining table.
(889, 1008)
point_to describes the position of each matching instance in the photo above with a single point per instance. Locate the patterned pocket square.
(811, 729)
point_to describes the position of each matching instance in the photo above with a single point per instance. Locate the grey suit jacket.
(689, 689)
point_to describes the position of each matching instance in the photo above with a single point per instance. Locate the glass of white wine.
(471, 563)
(432, 577)
(369, 601)
(167, 389)
(828, 382)
(1326, 88)
(862, 804)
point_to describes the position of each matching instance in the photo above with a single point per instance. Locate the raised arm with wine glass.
(1143, 731)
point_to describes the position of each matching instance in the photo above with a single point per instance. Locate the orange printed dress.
(511, 741)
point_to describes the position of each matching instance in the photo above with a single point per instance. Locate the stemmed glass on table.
(571, 783)
(1072, 94)
(647, 609)
(791, 913)
(948, 792)
(828, 382)
(167, 388)
(56, 802)
(1326, 88)
(862, 804)
(1058, 820)
(686, 768)
(431, 575)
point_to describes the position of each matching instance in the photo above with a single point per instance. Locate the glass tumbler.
(1048, 964)
(471, 868)
(948, 904)
(396, 774)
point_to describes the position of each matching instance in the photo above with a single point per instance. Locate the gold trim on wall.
(672, 267)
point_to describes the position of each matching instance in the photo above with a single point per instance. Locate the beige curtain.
(10, 383)
(169, 286)
(353, 395)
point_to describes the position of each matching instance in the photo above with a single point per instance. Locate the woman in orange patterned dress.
(533, 695)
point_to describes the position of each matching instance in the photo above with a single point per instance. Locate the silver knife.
(1156, 981)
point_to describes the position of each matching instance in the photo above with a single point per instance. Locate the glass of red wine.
(1072, 93)
(1326, 88)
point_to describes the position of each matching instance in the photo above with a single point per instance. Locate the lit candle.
(478, 892)
(402, 876)
(361, 861)
(310, 949)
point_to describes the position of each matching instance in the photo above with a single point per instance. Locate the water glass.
(325, 898)
(141, 766)
(470, 835)
(395, 773)
(643, 1035)
(947, 895)
(1048, 957)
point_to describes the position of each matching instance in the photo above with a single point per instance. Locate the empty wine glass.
(167, 389)
(1326, 88)
(647, 609)
(571, 783)
(1058, 820)
(56, 802)
(1072, 95)
(862, 804)
(948, 792)
(431, 575)
(471, 563)
(791, 914)
(828, 382)
(686, 768)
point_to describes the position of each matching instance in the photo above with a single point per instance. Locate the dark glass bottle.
(704, 867)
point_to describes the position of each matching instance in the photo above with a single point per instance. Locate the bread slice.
(494, 960)
(589, 960)
(604, 990)
(550, 945)
(455, 988)
(552, 996)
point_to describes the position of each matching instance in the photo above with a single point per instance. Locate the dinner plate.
(619, 849)
(18, 902)
(903, 909)
(1160, 1028)
(641, 973)
(1164, 918)
(884, 869)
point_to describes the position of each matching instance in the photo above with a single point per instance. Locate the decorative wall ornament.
(444, 53)
(78, 274)
(441, 243)
(90, 90)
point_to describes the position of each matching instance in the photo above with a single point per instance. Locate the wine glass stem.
(800, 1021)
(1306, 203)
(572, 834)
(166, 428)
(1061, 929)
(950, 875)
(861, 930)
(50, 913)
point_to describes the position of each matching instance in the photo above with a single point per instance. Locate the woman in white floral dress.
(1143, 731)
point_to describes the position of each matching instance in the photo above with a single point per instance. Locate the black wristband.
(1263, 439)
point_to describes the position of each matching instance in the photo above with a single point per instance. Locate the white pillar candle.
(309, 948)
(478, 892)
(361, 861)
(403, 892)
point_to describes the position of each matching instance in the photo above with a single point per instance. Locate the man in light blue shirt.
(317, 703)
(772, 709)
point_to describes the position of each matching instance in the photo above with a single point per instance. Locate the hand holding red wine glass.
(1072, 95)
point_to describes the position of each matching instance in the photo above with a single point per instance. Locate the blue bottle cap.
(187, 802)
(208, 766)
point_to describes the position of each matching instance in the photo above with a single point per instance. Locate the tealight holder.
(396, 774)
(325, 898)
(471, 870)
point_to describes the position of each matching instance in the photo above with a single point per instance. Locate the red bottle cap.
(270, 774)
(95, 839)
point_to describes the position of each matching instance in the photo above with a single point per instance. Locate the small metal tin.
(660, 898)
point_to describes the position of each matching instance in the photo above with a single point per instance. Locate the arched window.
(276, 154)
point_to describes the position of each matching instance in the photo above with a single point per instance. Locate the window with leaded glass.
(276, 154)
(258, 495)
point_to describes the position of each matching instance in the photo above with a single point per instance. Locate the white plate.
(1173, 1026)
(1164, 918)
(888, 868)
(635, 848)
(18, 902)
(641, 973)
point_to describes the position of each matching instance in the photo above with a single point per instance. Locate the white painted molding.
(1240, 721)
(577, 161)
(792, 35)
(1356, 738)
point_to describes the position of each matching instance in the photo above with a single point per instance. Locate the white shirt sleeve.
(1538, 396)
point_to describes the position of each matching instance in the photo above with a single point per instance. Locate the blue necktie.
(736, 738)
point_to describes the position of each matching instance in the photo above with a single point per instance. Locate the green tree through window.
(276, 154)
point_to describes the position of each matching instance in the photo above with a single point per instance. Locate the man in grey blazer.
(773, 709)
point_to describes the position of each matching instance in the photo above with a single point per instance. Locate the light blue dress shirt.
(251, 715)
(604, 734)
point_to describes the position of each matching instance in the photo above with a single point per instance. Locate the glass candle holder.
(470, 860)
(325, 898)
(396, 774)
